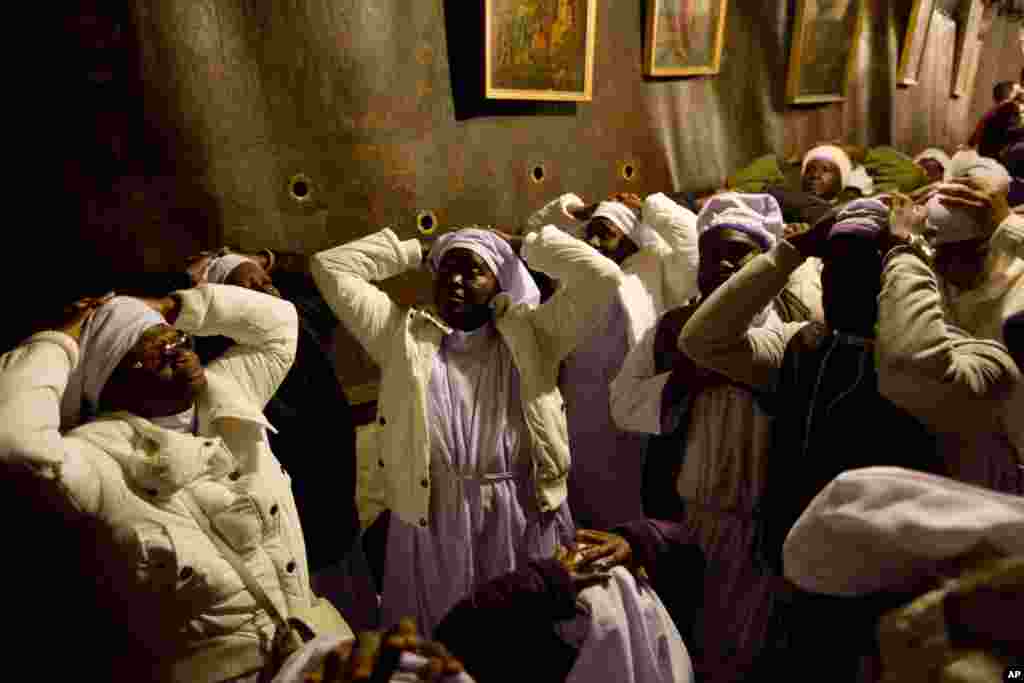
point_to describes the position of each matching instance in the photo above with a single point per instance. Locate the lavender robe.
(606, 478)
(484, 517)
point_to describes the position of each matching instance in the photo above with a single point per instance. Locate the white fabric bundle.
(112, 330)
(878, 528)
(834, 154)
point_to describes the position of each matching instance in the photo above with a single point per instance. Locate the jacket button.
(382, 420)
(185, 574)
(423, 522)
(381, 462)
(234, 475)
(290, 567)
(424, 483)
(273, 509)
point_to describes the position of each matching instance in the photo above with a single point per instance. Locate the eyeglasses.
(182, 341)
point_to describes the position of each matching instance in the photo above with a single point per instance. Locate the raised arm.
(33, 378)
(560, 212)
(265, 329)
(719, 335)
(938, 373)
(344, 275)
(677, 226)
(588, 281)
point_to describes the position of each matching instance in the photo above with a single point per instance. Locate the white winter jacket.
(128, 476)
(403, 342)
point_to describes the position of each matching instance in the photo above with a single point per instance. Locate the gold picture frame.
(914, 42)
(539, 49)
(968, 48)
(683, 40)
(824, 50)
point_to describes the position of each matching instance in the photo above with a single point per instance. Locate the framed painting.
(539, 49)
(914, 42)
(684, 37)
(968, 47)
(825, 38)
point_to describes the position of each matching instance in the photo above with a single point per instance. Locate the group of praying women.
(589, 453)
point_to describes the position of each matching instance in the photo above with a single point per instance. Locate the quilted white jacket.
(403, 342)
(127, 476)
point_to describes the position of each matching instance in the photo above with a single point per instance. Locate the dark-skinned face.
(933, 169)
(611, 242)
(850, 283)
(463, 289)
(251, 276)
(962, 263)
(159, 376)
(822, 178)
(723, 252)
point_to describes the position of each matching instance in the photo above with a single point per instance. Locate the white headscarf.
(513, 277)
(834, 154)
(757, 215)
(936, 154)
(860, 180)
(219, 268)
(954, 224)
(625, 219)
(114, 328)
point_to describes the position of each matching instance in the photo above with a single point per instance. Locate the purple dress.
(484, 516)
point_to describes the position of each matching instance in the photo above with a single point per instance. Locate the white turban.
(936, 154)
(834, 154)
(513, 277)
(625, 219)
(112, 330)
(757, 215)
(956, 224)
(220, 267)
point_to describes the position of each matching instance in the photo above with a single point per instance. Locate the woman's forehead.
(602, 225)
(462, 256)
(726, 237)
(825, 163)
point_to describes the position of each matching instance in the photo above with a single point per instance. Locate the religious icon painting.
(684, 37)
(539, 49)
(826, 34)
(914, 41)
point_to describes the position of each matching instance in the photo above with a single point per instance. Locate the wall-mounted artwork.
(914, 42)
(825, 38)
(539, 49)
(968, 47)
(684, 37)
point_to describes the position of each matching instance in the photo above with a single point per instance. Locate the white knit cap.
(834, 154)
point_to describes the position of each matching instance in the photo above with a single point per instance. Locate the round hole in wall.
(537, 173)
(300, 188)
(628, 171)
(426, 222)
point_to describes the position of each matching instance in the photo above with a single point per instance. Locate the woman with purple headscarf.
(473, 454)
